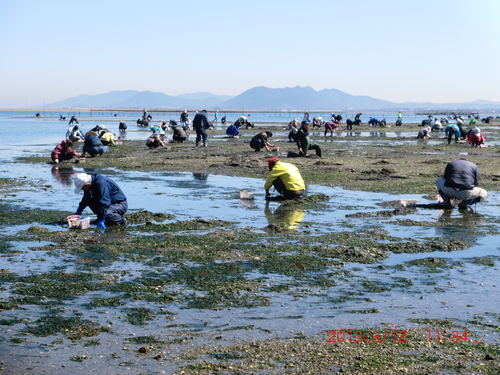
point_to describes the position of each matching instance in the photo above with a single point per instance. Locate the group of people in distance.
(455, 131)
(95, 142)
(458, 186)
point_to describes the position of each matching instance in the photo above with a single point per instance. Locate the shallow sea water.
(459, 293)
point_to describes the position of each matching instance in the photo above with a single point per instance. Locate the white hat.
(477, 130)
(81, 179)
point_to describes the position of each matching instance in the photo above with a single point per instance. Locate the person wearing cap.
(63, 151)
(200, 124)
(103, 196)
(452, 130)
(424, 133)
(459, 185)
(304, 143)
(261, 140)
(475, 137)
(285, 178)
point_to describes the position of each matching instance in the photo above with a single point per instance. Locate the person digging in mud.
(154, 141)
(63, 151)
(103, 196)
(261, 140)
(178, 134)
(304, 143)
(459, 185)
(285, 178)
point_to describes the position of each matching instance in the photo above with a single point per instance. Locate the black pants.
(201, 134)
(288, 194)
(114, 213)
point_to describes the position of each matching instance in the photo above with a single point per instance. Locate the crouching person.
(459, 185)
(63, 151)
(93, 146)
(103, 196)
(261, 140)
(285, 178)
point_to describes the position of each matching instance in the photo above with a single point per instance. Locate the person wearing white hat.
(103, 196)
(475, 137)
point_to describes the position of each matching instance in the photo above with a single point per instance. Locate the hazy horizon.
(426, 51)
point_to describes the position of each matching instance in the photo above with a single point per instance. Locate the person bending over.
(261, 140)
(459, 185)
(285, 178)
(103, 196)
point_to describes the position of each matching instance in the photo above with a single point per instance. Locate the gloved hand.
(101, 224)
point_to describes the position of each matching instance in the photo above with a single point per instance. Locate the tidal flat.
(202, 282)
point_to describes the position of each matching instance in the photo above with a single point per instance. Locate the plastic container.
(408, 202)
(78, 222)
(245, 194)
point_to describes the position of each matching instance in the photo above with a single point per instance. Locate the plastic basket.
(78, 222)
(245, 194)
(408, 202)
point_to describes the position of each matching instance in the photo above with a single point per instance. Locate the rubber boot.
(204, 143)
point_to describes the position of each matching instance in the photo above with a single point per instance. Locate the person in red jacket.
(63, 151)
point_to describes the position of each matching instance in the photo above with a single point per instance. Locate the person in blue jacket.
(93, 146)
(232, 131)
(452, 130)
(103, 196)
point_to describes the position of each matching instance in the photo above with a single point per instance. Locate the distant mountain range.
(259, 98)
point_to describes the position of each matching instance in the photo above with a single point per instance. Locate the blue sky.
(440, 51)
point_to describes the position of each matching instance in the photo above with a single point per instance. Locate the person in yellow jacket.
(285, 178)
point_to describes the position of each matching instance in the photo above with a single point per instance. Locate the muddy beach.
(200, 282)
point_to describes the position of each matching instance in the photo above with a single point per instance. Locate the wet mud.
(203, 295)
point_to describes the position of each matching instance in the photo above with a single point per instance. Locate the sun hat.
(477, 130)
(81, 179)
(271, 161)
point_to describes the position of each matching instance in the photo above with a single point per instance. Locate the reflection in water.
(285, 216)
(459, 228)
(200, 176)
(248, 203)
(63, 174)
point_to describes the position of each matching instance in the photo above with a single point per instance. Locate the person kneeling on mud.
(154, 141)
(260, 141)
(303, 141)
(285, 178)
